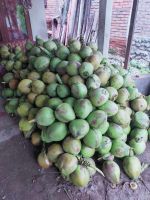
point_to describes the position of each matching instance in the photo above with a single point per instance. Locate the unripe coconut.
(132, 167)
(93, 46)
(119, 148)
(122, 117)
(127, 129)
(95, 60)
(86, 151)
(82, 108)
(53, 63)
(36, 138)
(93, 82)
(54, 151)
(86, 70)
(85, 52)
(104, 75)
(63, 91)
(114, 131)
(71, 145)
(139, 134)
(74, 57)
(23, 109)
(75, 79)
(134, 93)
(7, 92)
(41, 63)
(48, 77)
(78, 128)
(33, 76)
(61, 67)
(50, 45)
(70, 101)
(25, 86)
(111, 171)
(138, 146)
(43, 161)
(105, 146)
(72, 68)
(123, 96)
(74, 46)
(31, 97)
(53, 103)
(24, 125)
(139, 104)
(110, 108)
(38, 87)
(45, 116)
(116, 81)
(97, 118)
(65, 78)
(64, 113)
(32, 113)
(51, 89)
(79, 90)
(41, 100)
(62, 52)
(104, 127)
(98, 96)
(93, 138)
(141, 120)
(80, 177)
(13, 83)
(54, 133)
(128, 81)
(7, 77)
(113, 93)
(67, 164)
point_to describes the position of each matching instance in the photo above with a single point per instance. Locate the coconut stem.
(59, 79)
(9, 99)
(85, 163)
(144, 167)
(45, 51)
(32, 121)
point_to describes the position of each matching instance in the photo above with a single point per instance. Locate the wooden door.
(14, 22)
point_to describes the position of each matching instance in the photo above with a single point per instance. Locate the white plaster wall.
(38, 20)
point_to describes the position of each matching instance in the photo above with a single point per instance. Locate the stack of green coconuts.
(77, 107)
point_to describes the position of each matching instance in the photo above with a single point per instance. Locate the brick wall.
(120, 24)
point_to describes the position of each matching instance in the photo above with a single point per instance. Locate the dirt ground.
(22, 179)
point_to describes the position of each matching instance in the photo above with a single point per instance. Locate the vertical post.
(104, 26)
(131, 32)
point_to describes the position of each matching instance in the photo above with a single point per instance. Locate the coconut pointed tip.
(32, 121)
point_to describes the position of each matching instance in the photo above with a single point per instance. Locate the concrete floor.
(22, 179)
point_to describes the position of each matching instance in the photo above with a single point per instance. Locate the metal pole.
(131, 32)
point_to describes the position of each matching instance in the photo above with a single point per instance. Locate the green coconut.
(78, 128)
(64, 113)
(71, 145)
(105, 146)
(82, 108)
(54, 133)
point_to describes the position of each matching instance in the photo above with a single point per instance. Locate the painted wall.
(37, 19)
